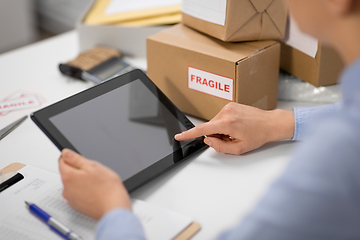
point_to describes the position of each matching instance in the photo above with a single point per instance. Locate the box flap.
(246, 13)
(261, 5)
(257, 19)
(278, 19)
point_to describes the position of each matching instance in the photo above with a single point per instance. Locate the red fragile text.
(18, 104)
(210, 83)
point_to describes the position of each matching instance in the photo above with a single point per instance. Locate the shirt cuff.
(304, 115)
(119, 224)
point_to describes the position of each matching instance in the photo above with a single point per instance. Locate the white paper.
(213, 11)
(121, 6)
(44, 188)
(160, 223)
(297, 39)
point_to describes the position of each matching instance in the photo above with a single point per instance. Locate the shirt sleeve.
(318, 194)
(119, 224)
(304, 115)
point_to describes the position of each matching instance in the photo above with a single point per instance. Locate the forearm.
(281, 124)
(284, 124)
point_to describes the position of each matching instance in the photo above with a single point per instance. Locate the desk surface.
(216, 189)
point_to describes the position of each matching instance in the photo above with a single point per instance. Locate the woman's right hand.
(239, 128)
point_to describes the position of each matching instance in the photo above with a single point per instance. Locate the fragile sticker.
(210, 83)
(19, 101)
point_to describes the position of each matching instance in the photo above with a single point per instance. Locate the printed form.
(213, 11)
(44, 188)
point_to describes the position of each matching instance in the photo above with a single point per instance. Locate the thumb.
(64, 168)
(73, 159)
(229, 147)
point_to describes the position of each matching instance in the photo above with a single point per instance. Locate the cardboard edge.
(331, 66)
(258, 51)
(269, 105)
(13, 167)
(161, 38)
(235, 97)
(189, 232)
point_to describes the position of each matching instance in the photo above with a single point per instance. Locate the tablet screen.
(128, 129)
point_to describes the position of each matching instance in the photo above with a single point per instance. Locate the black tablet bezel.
(42, 120)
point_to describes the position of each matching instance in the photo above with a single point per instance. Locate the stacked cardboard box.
(200, 67)
(237, 20)
(306, 58)
(201, 74)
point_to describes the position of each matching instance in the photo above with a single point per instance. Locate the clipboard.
(189, 232)
(9, 176)
(186, 234)
(13, 167)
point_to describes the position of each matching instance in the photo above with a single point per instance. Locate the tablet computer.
(126, 123)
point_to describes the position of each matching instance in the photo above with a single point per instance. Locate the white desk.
(216, 189)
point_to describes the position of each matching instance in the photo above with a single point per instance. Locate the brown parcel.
(322, 70)
(253, 67)
(246, 20)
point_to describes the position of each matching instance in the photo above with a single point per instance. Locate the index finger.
(203, 129)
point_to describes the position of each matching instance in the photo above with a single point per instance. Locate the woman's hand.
(90, 187)
(238, 128)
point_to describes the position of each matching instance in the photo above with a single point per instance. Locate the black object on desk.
(11, 181)
(97, 65)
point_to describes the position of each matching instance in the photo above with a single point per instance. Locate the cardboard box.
(130, 40)
(201, 74)
(304, 57)
(237, 20)
(322, 70)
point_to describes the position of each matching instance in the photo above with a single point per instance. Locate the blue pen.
(54, 224)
